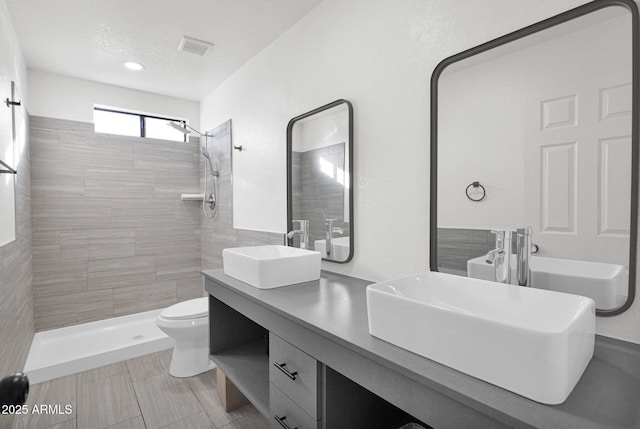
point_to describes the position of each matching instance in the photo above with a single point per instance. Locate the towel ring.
(476, 185)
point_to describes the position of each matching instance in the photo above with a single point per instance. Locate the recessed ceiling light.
(133, 66)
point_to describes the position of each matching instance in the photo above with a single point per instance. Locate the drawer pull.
(281, 420)
(281, 367)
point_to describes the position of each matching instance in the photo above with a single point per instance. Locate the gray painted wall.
(110, 234)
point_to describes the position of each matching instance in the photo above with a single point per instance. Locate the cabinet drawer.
(287, 414)
(295, 373)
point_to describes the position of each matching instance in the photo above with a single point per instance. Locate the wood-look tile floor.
(134, 394)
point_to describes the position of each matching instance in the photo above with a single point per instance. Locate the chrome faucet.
(500, 256)
(523, 256)
(329, 229)
(303, 232)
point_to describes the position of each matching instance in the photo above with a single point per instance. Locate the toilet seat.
(182, 327)
(192, 309)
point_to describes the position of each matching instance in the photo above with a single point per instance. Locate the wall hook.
(10, 103)
(238, 148)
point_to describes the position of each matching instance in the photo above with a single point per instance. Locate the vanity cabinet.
(320, 330)
(289, 386)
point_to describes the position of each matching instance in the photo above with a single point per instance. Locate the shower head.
(206, 154)
(179, 127)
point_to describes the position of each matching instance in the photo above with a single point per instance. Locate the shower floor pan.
(78, 348)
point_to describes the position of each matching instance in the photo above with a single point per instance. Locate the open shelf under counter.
(247, 367)
(237, 345)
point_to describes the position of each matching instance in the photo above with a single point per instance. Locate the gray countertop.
(335, 307)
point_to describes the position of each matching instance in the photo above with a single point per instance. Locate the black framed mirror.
(539, 129)
(320, 180)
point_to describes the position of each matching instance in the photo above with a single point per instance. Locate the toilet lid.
(192, 309)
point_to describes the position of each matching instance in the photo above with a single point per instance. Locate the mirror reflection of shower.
(210, 183)
(211, 173)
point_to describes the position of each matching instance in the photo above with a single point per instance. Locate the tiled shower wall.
(218, 233)
(16, 293)
(110, 234)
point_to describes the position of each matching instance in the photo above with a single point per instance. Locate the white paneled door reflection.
(578, 167)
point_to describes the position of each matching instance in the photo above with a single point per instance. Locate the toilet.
(188, 324)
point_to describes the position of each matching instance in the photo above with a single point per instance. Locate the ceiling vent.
(194, 46)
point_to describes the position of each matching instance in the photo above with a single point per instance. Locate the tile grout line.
(135, 394)
(201, 404)
(202, 407)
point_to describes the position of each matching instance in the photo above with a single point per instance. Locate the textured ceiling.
(90, 39)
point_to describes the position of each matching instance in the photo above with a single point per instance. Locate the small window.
(116, 123)
(136, 124)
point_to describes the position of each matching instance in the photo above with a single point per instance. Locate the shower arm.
(205, 134)
(185, 129)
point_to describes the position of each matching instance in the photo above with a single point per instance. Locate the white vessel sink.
(598, 281)
(271, 266)
(535, 343)
(340, 248)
